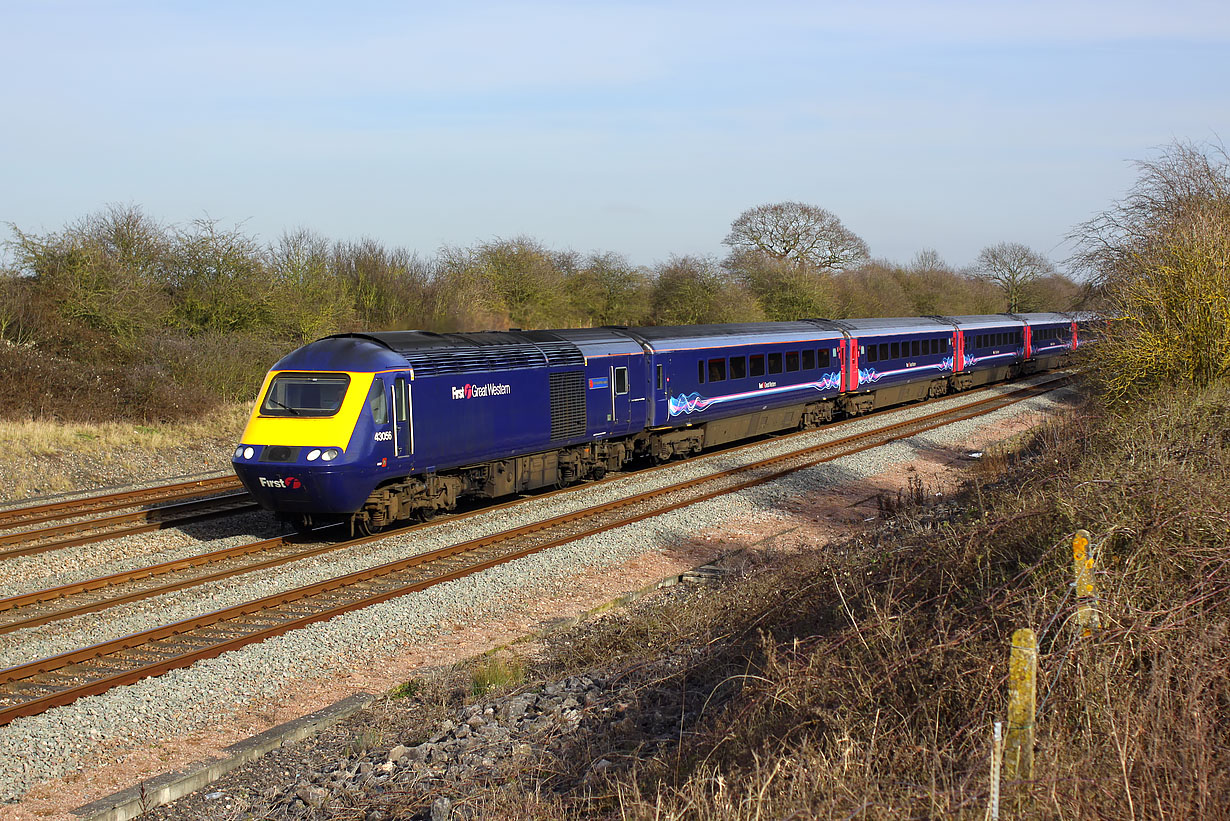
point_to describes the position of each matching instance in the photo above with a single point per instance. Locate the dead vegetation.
(864, 682)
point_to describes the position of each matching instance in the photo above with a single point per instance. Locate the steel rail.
(38, 514)
(187, 512)
(115, 579)
(860, 442)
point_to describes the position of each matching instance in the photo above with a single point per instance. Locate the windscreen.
(305, 394)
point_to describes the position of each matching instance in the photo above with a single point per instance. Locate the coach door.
(403, 417)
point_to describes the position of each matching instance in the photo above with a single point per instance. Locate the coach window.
(738, 367)
(792, 360)
(883, 350)
(717, 370)
(661, 381)
(700, 371)
(809, 360)
(822, 357)
(621, 381)
(378, 401)
(775, 363)
(871, 353)
(757, 362)
(895, 351)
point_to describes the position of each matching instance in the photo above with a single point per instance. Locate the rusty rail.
(162, 639)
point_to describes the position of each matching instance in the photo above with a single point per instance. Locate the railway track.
(39, 685)
(109, 502)
(40, 607)
(101, 528)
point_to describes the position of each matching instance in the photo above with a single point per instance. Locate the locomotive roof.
(430, 353)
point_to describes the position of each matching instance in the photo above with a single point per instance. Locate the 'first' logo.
(289, 483)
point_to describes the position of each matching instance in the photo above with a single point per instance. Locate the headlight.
(330, 454)
(239, 451)
(313, 454)
(249, 452)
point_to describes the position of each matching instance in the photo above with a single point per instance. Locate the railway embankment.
(864, 679)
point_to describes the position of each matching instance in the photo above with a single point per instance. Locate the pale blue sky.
(640, 128)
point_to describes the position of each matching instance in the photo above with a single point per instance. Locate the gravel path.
(55, 743)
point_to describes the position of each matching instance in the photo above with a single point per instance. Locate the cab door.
(403, 417)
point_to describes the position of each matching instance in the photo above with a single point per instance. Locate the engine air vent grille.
(567, 405)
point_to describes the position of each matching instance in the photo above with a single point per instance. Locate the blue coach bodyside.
(900, 351)
(706, 372)
(990, 342)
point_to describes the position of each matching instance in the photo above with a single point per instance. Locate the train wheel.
(364, 526)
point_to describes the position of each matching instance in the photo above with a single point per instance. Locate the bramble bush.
(1161, 266)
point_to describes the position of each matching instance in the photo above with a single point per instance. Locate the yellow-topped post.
(1022, 703)
(1083, 565)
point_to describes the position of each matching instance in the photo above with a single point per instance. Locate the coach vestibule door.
(403, 417)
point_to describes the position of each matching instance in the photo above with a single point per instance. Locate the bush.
(1161, 262)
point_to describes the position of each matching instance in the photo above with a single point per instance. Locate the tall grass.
(863, 681)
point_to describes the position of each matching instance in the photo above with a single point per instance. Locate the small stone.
(398, 753)
(475, 721)
(312, 796)
(441, 809)
(463, 731)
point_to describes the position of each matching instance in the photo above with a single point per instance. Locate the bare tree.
(794, 232)
(1014, 268)
(1160, 261)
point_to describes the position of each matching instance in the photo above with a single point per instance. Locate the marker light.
(330, 454)
(249, 452)
(239, 451)
(313, 454)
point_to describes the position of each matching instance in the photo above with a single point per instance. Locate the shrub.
(1161, 261)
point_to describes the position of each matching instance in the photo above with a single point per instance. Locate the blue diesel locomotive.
(378, 427)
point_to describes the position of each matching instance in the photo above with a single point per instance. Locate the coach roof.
(697, 337)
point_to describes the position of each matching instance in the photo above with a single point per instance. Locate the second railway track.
(33, 687)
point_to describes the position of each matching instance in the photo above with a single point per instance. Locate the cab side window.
(378, 401)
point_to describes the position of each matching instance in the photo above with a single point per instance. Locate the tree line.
(173, 317)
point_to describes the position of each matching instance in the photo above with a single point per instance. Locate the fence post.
(1084, 555)
(997, 755)
(1022, 703)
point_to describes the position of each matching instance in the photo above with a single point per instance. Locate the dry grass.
(864, 682)
(42, 437)
(40, 456)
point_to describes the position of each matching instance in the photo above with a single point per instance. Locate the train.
(379, 427)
